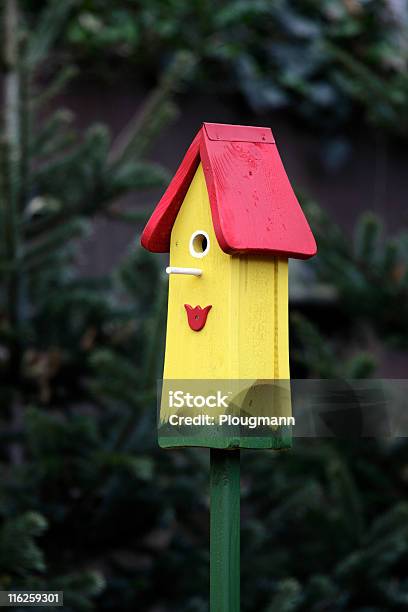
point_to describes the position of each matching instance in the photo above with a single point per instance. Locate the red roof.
(253, 206)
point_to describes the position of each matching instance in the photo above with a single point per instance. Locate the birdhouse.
(230, 220)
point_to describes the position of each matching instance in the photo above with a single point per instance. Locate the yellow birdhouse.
(230, 220)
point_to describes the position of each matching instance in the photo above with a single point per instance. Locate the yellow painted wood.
(246, 333)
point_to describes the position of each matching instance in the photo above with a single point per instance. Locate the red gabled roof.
(253, 206)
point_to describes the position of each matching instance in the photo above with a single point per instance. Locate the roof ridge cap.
(238, 133)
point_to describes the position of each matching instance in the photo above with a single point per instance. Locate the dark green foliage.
(78, 356)
(370, 275)
(328, 62)
(17, 544)
(333, 534)
(88, 503)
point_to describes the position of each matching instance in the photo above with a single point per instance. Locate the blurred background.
(100, 100)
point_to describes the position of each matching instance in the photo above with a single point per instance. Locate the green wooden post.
(225, 531)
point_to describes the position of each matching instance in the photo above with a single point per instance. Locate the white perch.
(192, 271)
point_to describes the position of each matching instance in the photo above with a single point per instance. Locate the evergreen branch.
(57, 85)
(372, 87)
(136, 175)
(370, 273)
(33, 229)
(129, 432)
(102, 190)
(18, 548)
(49, 27)
(155, 333)
(132, 217)
(287, 598)
(55, 240)
(157, 111)
(47, 260)
(114, 367)
(367, 238)
(52, 137)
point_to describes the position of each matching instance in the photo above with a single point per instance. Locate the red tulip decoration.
(197, 316)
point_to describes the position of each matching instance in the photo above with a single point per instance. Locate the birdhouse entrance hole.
(199, 244)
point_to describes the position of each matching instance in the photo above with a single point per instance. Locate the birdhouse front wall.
(245, 335)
